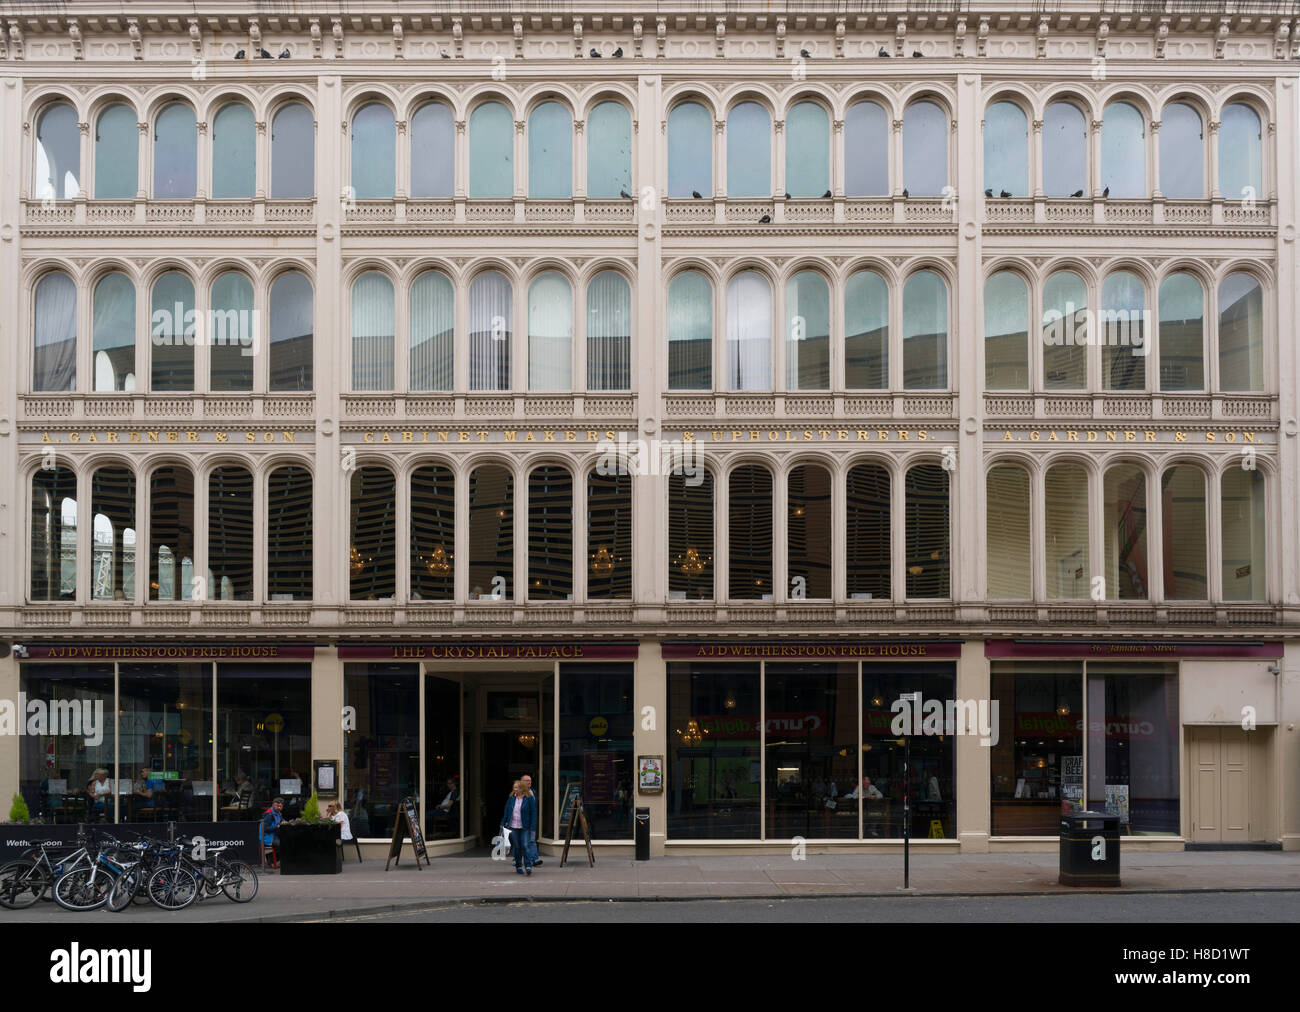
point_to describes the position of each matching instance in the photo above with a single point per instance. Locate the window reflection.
(598, 767)
(230, 534)
(289, 534)
(928, 553)
(749, 509)
(1182, 504)
(381, 755)
(112, 505)
(550, 534)
(609, 535)
(491, 533)
(165, 721)
(54, 535)
(690, 536)
(1244, 535)
(433, 533)
(1124, 524)
(808, 532)
(1006, 332)
(869, 533)
(1182, 333)
(372, 551)
(171, 534)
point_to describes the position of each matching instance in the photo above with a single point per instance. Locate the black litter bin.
(643, 834)
(1089, 849)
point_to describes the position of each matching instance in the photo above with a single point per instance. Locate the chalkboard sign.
(408, 819)
(576, 815)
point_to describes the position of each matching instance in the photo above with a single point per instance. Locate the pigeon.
(697, 195)
(1077, 193)
(240, 55)
(1004, 194)
(624, 194)
(618, 53)
(765, 220)
(1105, 192)
(284, 55)
(988, 193)
(445, 55)
(905, 193)
(883, 52)
(917, 54)
(263, 55)
(787, 196)
(594, 54)
(805, 54)
(826, 195)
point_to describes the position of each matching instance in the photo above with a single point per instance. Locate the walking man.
(531, 834)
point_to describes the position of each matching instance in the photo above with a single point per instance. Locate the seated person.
(867, 791)
(99, 790)
(336, 814)
(142, 791)
(241, 796)
(446, 805)
(270, 828)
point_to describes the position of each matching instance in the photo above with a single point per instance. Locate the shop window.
(113, 329)
(442, 773)
(866, 329)
(925, 332)
(372, 552)
(263, 739)
(491, 534)
(690, 536)
(1182, 333)
(175, 153)
(491, 151)
(808, 532)
(1065, 150)
(1182, 152)
(1241, 334)
(1007, 533)
(172, 324)
(289, 534)
(433, 151)
(433, 328)
(749, 534)
(1123, 151)
(230, 534)
(234, 152)
(595, 747)
(1124, 533)
(866, 150)
(292, 333)
(374, 152)
(869, 533)
(550, 534)
(1065, 507)
(713, 777)
(54, 535)
(55, 358)
(112, 507)
(749, 332)
(1006, 332)
(690, 150)
(58, 154)
(927, 533)
(690, 332)
(1066, 334)
(1244, 535)
(233, 332)
(609, 332)
(171, 534)
(433, 533)
(293, 153)
(1241, 162)
(1006, 149)
(491, 312)
(117, 153)
(1123, 332)
(807, 332)
(807, 150)
(609, 536)
(381, 754)
(749, 151)
(925, 149)
(609, 151)
(373, 330)
(1182, 505)
(550, 333)
(550, 152)
(166, 728)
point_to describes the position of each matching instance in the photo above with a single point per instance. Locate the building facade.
(649, 403)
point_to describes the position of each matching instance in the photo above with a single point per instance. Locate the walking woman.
(520, 814)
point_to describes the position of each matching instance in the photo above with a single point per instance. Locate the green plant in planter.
(18, 810)
(309, 843)
(310, 815)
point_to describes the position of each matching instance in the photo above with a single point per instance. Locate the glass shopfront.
(382, 748)
(595, 747)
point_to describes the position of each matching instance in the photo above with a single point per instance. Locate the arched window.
(292, 327)
(749, 535)
(432, 326)
(289, 534)
(1182, 511)
(866, 150)
(550, 333)
(609, 332)
(1123, 151)
(807, 332)
(1123, 332)
(374, 152)
(58, 153)
(1245, 537)
(808, 532)
(171, 534)
(690, 150)
(373, 331)
(491, 310)
(690, 536)
(1241, 162)
(491, 534)
(926, 530)
(1065, 506)
(230, 533)
(1241, 333)
(807, 150)
(925, 149)
(925, 332)
(232, 332)
(112, 563)
(550, 152)
(1006, 149)
(1182, 152)
(234, 152)
(433, 533)
(114, 333)
(171, 333)
(690, 332)
(1065, 150)
(55, 360)
(609, 535)
(117, 153)
(749, 151)
(491, 151)
(433, 151)
(1006, 332)
(866, 330)
(609, 150)
(372, 550)
(1124, 534)
(175, 153)
(749, 332)
(1065, 332)
(293, 153)
(1182, 333)
(1007, 533)
(868, 533)
(54, 534)
(550, 534)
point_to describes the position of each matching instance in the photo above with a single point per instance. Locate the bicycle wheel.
(22, 883)
(124, 890)
(83, 889)
(239, 881)
(173, 888)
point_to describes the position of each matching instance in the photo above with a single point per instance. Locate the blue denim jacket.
(527, 812)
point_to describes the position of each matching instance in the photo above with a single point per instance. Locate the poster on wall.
(598, 773)
(1072, 781)
(1117, 802)
(650, 774)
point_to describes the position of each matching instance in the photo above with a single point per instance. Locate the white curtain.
(56, 333)
(114, 333)
(749, 332)
(373, 332)
(491, 310)
(432, 321)
(609, 332)
(550, 333)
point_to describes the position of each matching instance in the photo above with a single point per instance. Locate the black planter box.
(311, 850)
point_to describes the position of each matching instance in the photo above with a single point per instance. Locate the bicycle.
(25, 880)
(87, 888)
(172, 886)
(236, 879)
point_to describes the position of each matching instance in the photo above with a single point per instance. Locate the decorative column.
(1036, 172)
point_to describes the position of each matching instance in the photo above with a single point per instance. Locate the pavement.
(367, 889)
